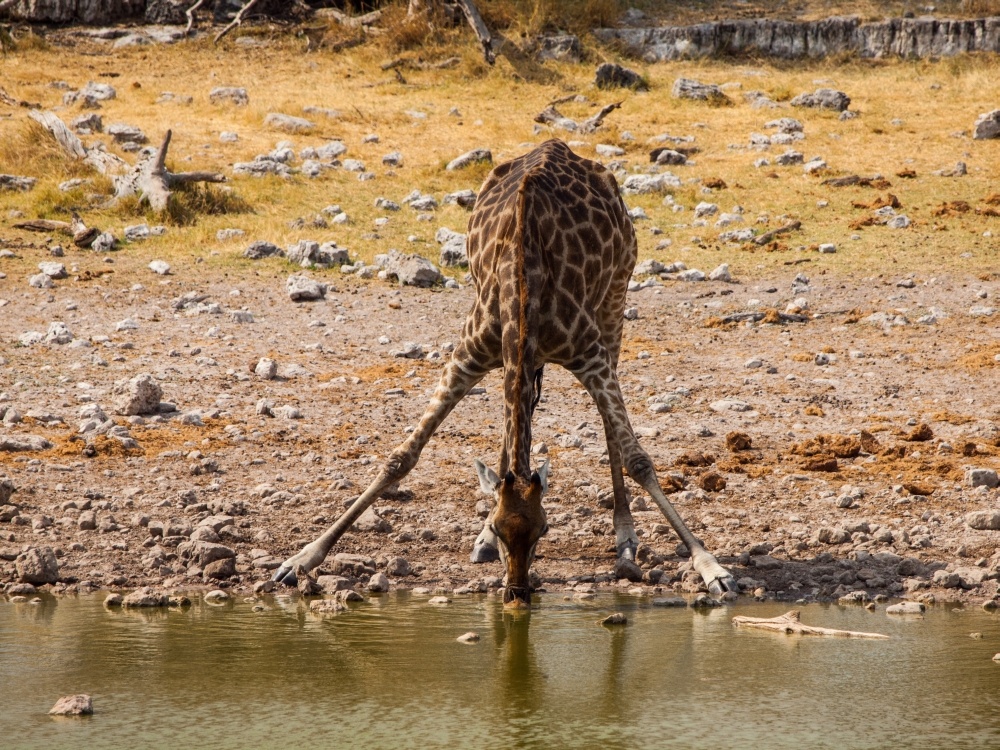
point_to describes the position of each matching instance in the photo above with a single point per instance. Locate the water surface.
(390, 674)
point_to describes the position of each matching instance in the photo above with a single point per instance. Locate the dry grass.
(934, 100)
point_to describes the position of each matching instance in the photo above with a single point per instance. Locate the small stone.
(113, 600)
(618, 618)
(266, 369)
(823, 99)
(146, 597)
(53, 270)
(628, 570)
(721, 273)
(73, 705)
(217, 596)
(140, 395)
(687, 88)
(304, 289)
(160, 267)
(378, 583)
(236, 95)
(905, 608)
(476, 156)
(439, 600)
(287, 123)
(827, 248)
(470, 637)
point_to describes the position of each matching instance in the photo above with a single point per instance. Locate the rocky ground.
(846, 450)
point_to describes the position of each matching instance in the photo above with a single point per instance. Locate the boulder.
(614, 76)
(823, 99)
(409, 270)
(687, 88)
(987, 126)
(37, 565)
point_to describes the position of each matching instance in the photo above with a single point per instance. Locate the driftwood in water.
(789, 623)
(148, 178)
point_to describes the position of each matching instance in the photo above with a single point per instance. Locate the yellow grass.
(934, 100)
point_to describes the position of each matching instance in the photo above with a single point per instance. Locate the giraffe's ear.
(541, 476)
(488, 479)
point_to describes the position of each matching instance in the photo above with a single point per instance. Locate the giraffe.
(551, 250)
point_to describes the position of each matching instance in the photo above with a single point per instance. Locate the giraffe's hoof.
(484, 553)
(285, 575)
(626, 550)
(724, 585)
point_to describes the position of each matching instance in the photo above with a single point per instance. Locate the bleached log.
(789, 623)
(149, 178)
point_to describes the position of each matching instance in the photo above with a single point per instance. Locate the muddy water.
(390, 674)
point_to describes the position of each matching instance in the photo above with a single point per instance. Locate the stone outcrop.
(78, 11)
(902, 37)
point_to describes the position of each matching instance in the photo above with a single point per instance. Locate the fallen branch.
(82, 235)
(247, 7)
(350, 21)
(789, 623)
(190, 16)
(592, 123)
(771, 315)
(149, 178)
(552, 116)
(769, 236)
(481, 30)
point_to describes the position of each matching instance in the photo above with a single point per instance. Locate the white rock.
(721, 273)
(160, 267)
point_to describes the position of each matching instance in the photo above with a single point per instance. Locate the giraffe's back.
(573, 243)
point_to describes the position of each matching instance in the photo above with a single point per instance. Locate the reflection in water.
(390, 674)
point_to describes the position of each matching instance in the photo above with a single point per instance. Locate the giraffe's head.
(518, 520)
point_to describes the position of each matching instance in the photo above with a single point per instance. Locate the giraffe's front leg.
(459, 376)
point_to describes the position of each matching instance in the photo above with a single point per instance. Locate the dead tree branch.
(149, 178)
(190, 16)
(247, 7)
(481, 30)
(789, 623)
(769, 236)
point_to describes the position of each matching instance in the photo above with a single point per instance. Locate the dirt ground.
(896, 412)
(817, 455)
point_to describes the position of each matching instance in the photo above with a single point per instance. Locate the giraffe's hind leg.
(459, 376)
(600, 380)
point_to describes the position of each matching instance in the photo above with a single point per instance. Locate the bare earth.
(775, 524)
